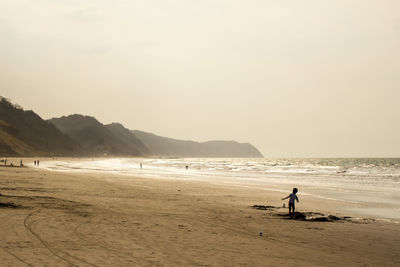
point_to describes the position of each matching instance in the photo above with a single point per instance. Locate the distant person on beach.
(34, 162)
(186, 167)
(37, 162)
(292, 197)
(5, 162)
(141, 166)
(20, 163)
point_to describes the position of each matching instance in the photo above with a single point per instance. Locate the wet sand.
(87, 219)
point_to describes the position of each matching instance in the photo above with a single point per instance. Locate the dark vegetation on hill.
(98, 139)
(169, 147)
(24, 133)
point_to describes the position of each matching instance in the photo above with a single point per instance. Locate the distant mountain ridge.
(115, 139)
(24, 133)
(128, 137)
(169, 147)
(98, 139)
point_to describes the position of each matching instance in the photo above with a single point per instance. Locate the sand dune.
(72, 219)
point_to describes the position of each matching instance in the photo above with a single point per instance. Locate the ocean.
(370, 185)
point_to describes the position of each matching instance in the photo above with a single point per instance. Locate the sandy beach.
(91, 219)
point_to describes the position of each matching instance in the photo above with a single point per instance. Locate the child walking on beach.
(292, 197)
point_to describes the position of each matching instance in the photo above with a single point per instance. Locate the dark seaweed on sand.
(304, 216)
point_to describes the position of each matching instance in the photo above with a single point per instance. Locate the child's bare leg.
(291, 209)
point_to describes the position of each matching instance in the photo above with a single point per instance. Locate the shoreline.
(333, 204)
(66, 218)
(335, 198)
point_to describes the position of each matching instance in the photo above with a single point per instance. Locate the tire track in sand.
(16, 257)
(54, 251)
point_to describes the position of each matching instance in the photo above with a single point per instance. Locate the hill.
(24, 133)
(128, 137)
(168, 147)
(98, 139)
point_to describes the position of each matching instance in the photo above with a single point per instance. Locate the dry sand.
(77, 219)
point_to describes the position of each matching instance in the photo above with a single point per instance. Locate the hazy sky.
(295, 78)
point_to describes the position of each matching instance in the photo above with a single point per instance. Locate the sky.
(295, 78)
